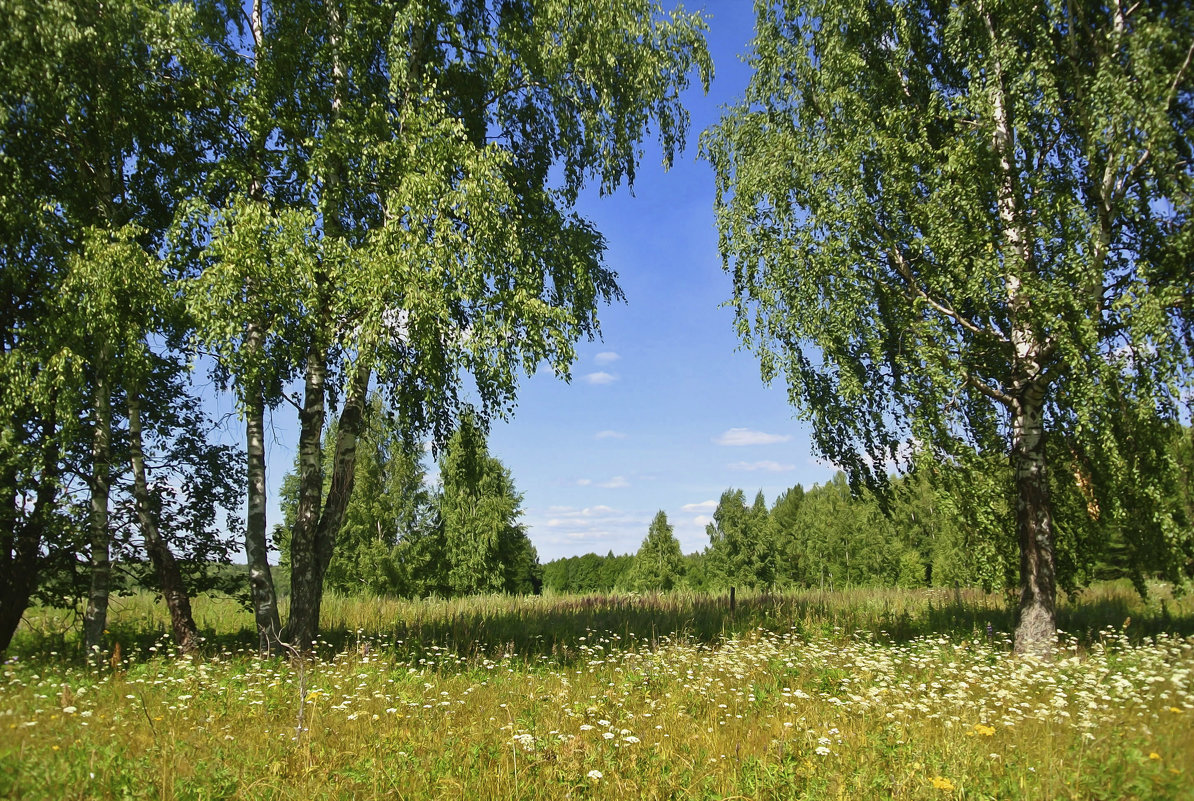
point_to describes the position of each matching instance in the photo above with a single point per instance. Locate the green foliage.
(586, 574)
(742, 549)
(658, 565)
(103, 129)
(942, 220)
(486, 549)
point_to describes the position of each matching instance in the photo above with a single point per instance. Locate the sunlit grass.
(796, 696)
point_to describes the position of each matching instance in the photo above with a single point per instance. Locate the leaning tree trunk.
(344, 460)
(96, 617)
(186, 634)
(1036, 631)
(21, 538)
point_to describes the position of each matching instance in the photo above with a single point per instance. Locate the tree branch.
(994, 393)
(905, 270)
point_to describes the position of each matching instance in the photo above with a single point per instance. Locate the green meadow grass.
(855, 694)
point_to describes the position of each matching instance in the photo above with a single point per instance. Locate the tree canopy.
(968, 228)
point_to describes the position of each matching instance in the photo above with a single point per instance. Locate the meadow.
(819, 695)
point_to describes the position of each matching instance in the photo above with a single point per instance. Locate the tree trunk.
(96, 617)
(348, 431)
(186, 634)
(306, 578)
(21, 538)
(261, 580)
(1036, 631)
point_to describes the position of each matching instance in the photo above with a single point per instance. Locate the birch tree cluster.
(304, 203)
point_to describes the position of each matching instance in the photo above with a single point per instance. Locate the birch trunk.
(95, 619)
(261, 581)
(348, 432)
(306, 579)
(186, 634)
(1036, 631)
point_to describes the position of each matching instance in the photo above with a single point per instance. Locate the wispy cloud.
(768, 465)
(702, 520)
(606, 357)
(563, 529)
(746, 436)
(599, 378)
(609, 434)
(583, 482)
(617, 482)
(703, 506)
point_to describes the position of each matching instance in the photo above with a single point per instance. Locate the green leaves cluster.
(402, 536)
(967, 228)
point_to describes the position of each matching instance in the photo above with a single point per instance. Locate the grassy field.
(857, 694)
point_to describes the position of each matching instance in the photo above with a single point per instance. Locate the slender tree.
(966, 226)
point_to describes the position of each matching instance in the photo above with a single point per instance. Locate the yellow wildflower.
(1154, 755)
(941, 783)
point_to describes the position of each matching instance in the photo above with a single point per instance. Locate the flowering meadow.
(816, 695)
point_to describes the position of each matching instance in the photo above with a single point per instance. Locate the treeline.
(944, 525)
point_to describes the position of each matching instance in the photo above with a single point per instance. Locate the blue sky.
(665, 412)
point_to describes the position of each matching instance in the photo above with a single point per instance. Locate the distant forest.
(921, 530)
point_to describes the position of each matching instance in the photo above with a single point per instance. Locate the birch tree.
(968, 227)
(427, 158)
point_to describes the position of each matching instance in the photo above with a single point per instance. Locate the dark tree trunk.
(22, 537)
(306, 578)
(261, 580)
(96, 617)
(1036, 631)
(186, 634)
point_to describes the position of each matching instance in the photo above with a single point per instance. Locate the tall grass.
(553, 625)
(855, 694)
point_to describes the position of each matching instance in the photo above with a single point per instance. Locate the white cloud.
(600, 378)
(609, 434)
(746, 436)
(606, 357)
(564, 529)
(702, 520)
(703, 506)
(617, 482)
(583, 482)
(768, 465)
